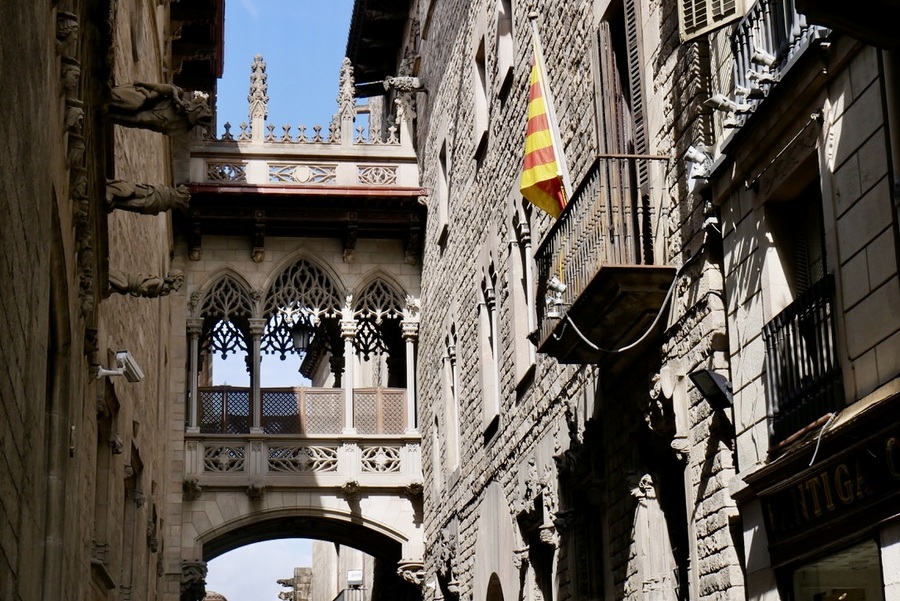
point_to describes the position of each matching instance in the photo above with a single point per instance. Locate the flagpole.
(551, 110)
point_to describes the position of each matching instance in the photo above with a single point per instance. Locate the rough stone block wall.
(481, 193)
(28, 205)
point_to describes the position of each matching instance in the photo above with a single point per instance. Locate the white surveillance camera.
(125, 366)
(556, 285)
(761, 57)
(131, 370)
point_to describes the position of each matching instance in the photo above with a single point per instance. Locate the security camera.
(125, 366)
(556, 285)
(761, 57)
(721, 102)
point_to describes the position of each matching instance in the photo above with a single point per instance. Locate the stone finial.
(346, 98)
(163, 108)
(147, 199)
(147, 286)
(258, 98)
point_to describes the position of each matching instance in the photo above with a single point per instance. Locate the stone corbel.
(159, 107)
(350, 239)
(193, 580)
(191, 489)
(146, 286)
(255, 492)
(259, 237)
(66, 33)
(146, 199)
(350, 490)
(412, 571)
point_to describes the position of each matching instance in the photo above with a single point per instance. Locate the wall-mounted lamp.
(714, 388)
(125, 366)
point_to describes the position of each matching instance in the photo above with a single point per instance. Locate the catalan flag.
(542, 172)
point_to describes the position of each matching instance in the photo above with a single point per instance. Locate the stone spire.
(258, 97)
(342, 123)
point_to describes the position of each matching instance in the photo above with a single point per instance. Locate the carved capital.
(194, 326)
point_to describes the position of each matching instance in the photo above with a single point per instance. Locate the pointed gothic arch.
(225, 307)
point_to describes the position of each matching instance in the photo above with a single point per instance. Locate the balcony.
(872, 21)
(601, 249)
(803, 370)
(227, 410)
(766, 44)
(303, 437)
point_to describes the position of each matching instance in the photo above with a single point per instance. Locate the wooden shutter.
(700, 16)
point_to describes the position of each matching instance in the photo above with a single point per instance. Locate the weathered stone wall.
(68, 439)
(542, 422)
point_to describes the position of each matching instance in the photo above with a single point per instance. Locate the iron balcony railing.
(227, 410)
(803, 369)
(765, 44)
(608, 221)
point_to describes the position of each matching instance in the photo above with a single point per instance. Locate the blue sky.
(303, 43)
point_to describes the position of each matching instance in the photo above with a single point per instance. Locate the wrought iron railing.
(802, 364)
(765, 44)
(608, 221)
(228, 410)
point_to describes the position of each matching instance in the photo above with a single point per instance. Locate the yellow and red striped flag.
(542, 171)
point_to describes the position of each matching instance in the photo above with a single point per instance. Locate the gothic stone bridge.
(300, 248)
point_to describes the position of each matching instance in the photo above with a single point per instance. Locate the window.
(521, 290)
(696, 17)
(480, 88)
(490, 351)
(802, 363)
(442, 191)
(451, 399)
(851, 575)
(505, 46)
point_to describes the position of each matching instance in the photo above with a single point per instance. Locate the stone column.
(194, 328)
(348, 333)
(410, 335)
(257, 326)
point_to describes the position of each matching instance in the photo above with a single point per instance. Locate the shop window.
(851, 575)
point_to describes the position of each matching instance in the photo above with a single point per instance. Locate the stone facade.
(559, 491)
(83, 488)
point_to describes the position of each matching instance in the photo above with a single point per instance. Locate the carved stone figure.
(147, 286)
(656, 562)
(163, 108)
(193, 580)
(147, 199)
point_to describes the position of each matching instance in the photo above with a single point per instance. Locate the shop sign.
(860, 479)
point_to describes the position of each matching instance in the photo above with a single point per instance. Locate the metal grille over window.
(804, 376)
